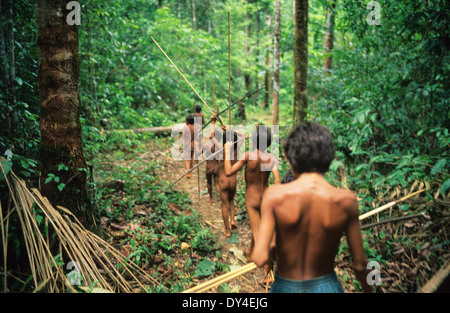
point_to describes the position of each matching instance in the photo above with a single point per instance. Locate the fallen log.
(160, 131)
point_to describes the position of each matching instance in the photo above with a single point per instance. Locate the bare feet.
(227, 234)
(188, 176)
(233, 225)
(211, 200)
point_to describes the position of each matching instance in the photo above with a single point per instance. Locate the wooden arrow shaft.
(217, 115)
(388, 205)
(200, 163)
(181, 74)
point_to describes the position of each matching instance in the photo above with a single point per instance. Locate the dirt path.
(231, 248)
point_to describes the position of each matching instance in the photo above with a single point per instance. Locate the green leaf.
(6, 167)
(233, 239)
(49, 179)
(62, 167)
(205, 268)
(61, 186)
(438, 166)
(445, 186)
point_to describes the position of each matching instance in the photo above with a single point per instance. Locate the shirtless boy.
(258, 166)
(198, 113)
(187, 136)
(212, 166)
(227, 184)
(309, 216)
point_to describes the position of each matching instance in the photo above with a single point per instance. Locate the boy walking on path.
(227, 184)
(309, 216)
(259, 164)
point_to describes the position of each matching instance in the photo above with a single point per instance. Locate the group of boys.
(299, 221)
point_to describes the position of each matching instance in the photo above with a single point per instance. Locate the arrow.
(183, 76)
(200, 163)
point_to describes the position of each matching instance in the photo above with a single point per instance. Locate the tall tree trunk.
(60, 126)
(276, 62)
(258, 28)
(194, 20)
(329, 35)
(247, 77)
(268, 63)
(300, 60)
(8, 67)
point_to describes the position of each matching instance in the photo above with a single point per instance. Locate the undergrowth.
(159, 230)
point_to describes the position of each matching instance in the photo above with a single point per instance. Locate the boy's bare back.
(311, 218)
(256, 180)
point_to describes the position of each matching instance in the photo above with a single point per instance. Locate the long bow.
(209, 158)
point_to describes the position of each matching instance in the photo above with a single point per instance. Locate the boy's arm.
(276, 172)
(232, 169)
(354, 239)
(212, 135)
(183, 135)
(261, 252)
(276, 176)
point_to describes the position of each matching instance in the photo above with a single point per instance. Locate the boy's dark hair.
(230, 135)
(262, 137)
(198, 108)
(309, 148)
(288, 177)
(190, 119)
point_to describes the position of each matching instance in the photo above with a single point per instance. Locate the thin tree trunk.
(8, 66)
(194, 21)
(329, 35)
(247, 77)
(276, 62)
(300, 60)
(268, 63)
(257, 52)
(60, 127)
(4, 72)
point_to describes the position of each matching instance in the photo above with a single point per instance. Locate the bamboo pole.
(388, 205)
(181, 74)
(214, 98)
(222, 279)
(200, 163)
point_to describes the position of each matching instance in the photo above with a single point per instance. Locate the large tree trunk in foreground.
(60, 149)
(300, 60)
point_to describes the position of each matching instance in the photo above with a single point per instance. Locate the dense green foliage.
(385, 101)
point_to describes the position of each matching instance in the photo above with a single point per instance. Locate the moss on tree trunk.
(60, 126)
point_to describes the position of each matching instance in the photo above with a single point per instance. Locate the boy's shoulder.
(277, 192)
(346, 200)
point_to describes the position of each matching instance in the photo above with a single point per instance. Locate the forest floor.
(232, 248)
(409, 252)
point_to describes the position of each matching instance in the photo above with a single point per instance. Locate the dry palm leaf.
(96, 261)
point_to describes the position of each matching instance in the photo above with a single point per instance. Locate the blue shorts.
(324, 284)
